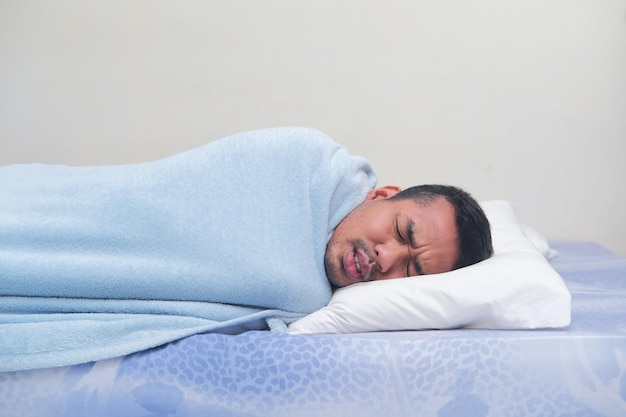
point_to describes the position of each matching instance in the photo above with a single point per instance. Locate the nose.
(390, 258)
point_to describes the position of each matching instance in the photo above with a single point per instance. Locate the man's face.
(385, 239)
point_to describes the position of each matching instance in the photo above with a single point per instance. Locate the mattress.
(579, 370)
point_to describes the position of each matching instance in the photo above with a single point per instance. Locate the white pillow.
(540, 242)
(514, 289)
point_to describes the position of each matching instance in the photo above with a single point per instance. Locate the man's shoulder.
(288, 142)
(293, 137)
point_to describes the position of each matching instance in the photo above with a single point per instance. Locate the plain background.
(517, 100)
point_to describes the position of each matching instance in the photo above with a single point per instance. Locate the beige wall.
(517, 100)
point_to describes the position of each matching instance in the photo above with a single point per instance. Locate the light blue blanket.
(99, 262)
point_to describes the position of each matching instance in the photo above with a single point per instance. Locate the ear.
(382, 192)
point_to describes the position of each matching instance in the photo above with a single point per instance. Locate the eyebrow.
(411, 235)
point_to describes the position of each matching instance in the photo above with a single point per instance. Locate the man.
(426, 229)
(246, 232)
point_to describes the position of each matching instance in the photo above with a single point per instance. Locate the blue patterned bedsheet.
(579, 371)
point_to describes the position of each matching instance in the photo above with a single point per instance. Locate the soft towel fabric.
(98, 262)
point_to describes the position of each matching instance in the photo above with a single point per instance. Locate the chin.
(334, 280)
(334, 274)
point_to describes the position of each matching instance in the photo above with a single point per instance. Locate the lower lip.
(349, 266)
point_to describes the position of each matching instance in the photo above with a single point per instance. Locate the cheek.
(377, 223)
(349, 226)
(366, 222)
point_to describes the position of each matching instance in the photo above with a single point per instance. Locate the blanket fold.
(218, 238)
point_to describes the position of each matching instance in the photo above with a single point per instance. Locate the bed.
(576, 371)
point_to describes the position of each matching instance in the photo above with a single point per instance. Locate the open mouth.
(357, 265)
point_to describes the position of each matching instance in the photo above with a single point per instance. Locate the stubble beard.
(333, 263)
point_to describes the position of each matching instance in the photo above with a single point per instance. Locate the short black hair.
(474, 232)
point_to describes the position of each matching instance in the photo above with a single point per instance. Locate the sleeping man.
(248, 232)
(426, 229)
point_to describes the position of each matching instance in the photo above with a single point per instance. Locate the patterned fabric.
(580, 371)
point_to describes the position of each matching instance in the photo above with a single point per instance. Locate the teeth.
(357, 263)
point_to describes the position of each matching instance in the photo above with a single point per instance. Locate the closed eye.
(410, 232)
(403, 241)
(398, 232)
